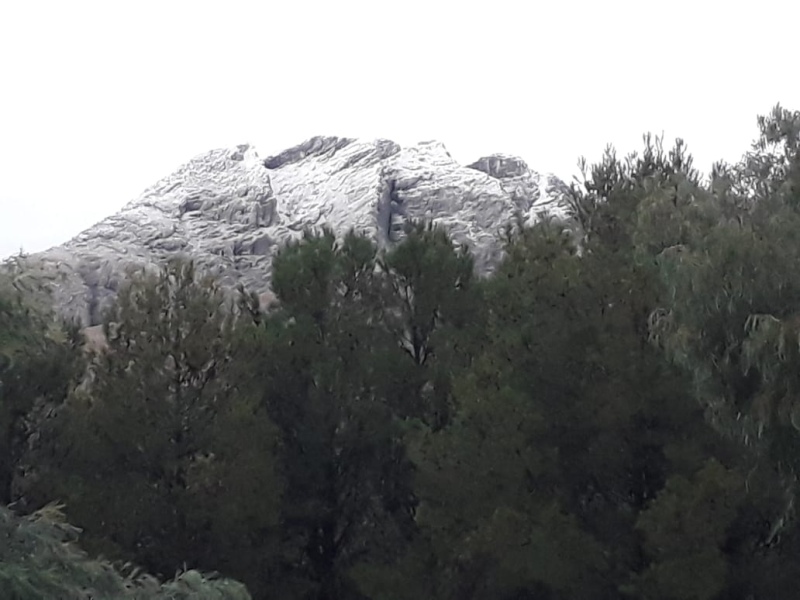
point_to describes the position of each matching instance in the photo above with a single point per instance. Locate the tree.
(488, 527)
(40, 559)
(431, 282)
(40, 358)
(325, 358)
(148, 454)
(726, 253)
(731, 317)
(686, 530)
(584, 414)
(433, 311)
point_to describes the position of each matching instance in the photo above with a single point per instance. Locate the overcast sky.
(98, 100)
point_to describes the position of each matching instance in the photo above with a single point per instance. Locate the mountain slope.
(230, 210)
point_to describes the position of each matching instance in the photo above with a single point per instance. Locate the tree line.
(613, 413)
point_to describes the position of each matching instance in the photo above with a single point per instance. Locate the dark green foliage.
(433, 311)
(431, 283)
(685, 530)
(731, 315)
(143, 453)
(39, 558)
(40, 358)
(734, 290)
(612, 414)
(325, 360)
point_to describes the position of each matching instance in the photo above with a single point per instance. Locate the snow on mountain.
(230, 210)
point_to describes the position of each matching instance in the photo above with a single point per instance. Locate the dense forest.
(613, 413)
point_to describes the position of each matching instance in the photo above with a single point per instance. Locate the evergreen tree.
(325, 360)
(159, 458)
(611, 414)
(566, 415)
(40, 358)
(434, 312)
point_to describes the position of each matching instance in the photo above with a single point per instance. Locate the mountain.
(230, 210)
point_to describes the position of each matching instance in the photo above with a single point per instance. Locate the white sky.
(98, 100)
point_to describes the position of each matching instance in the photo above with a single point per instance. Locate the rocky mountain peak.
(230, 209)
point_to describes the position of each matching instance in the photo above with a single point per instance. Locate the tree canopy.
(613, 413)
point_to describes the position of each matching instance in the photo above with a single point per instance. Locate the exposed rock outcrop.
(230, 210)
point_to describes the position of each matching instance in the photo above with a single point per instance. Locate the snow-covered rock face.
(230, 210)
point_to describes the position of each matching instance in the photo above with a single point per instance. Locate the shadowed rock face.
(230, 210)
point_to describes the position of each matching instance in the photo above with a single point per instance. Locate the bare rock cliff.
(230, 210)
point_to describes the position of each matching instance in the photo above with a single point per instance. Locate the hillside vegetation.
(614, 413)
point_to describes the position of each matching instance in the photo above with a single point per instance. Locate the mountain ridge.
(229, 210)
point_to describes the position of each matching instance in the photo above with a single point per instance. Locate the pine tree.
(325, 358)
(40, 359)
(433, 309)
(149, 455)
